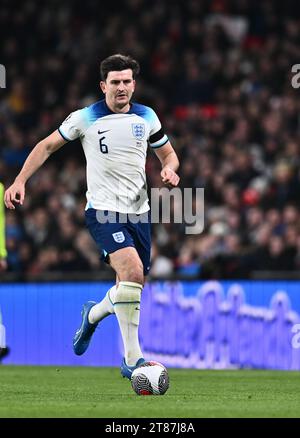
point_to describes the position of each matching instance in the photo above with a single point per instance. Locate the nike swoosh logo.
(102, 132)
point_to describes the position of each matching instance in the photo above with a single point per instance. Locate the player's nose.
(121, 86)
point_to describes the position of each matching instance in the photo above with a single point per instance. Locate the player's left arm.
(170, 163)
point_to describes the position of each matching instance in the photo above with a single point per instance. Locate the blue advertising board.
(208, 324)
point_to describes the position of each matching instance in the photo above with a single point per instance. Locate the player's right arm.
(15, 194)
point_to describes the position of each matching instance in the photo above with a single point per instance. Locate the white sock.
(101, 310)
(127, 309)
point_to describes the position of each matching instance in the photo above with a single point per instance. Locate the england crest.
(118, 237)
(138, 130)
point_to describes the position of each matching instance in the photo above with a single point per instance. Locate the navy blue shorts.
(112, 231)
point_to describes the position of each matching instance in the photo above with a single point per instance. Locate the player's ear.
(133, 85)
(103, 86)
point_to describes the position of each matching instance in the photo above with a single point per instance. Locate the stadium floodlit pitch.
(71, 392)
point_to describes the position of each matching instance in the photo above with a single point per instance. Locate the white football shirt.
(115, 147)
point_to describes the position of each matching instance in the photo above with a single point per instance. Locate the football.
(150, 378)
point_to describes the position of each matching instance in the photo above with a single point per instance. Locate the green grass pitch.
(70, 392)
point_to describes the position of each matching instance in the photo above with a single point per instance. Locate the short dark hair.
(118, 62)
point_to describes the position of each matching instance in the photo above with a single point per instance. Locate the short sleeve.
(157, 136)
(71, 127)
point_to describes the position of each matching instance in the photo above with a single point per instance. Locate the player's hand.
(15, 194)
(169, 177)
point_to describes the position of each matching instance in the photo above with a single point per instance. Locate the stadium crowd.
(218, 73)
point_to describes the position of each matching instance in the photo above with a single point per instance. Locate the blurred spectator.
(161, 266)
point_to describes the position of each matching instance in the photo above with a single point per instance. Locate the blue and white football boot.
(126, 370)
(84, 334)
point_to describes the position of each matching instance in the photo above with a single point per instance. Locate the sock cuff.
(130, 284)
(128, 292)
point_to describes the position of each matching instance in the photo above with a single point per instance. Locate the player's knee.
(134, 274)
(136, 277)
